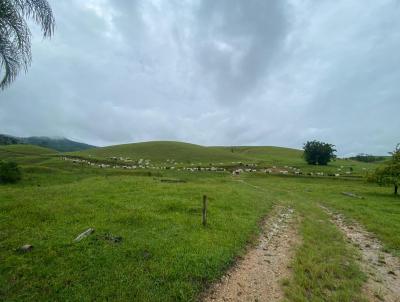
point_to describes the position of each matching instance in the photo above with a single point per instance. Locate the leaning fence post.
(204, 210)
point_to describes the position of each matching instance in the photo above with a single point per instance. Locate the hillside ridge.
(57, 143)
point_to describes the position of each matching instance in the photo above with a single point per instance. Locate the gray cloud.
(237, 44)
(214, 72)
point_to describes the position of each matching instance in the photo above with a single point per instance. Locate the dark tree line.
(367, 158)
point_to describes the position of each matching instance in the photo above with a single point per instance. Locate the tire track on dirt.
(382, 268)
(257, 276)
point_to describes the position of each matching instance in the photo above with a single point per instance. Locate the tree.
(318, 153)
(15, 36)
(390, 173)
(9, 172)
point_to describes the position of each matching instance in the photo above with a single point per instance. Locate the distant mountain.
(59, 144)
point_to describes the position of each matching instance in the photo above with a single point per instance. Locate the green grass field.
(165, 253)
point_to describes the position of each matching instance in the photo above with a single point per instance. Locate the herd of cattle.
(236, 168)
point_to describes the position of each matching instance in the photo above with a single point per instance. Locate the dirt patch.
(382, 268)
(257, 277)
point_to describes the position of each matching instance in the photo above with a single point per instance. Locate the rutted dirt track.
(382, 268)
(258, 275)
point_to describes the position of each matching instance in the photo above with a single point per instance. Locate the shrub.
(390, 173)
(9, 172)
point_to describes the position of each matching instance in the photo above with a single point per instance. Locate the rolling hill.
(184, 152)
(162, 150)
(268, 156)
(25, 154)
(26, 150)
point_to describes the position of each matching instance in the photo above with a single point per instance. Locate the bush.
(9, 172)
(390, 173)
(318, 153)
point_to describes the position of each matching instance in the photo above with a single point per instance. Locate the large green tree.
(15, 36)
(390, 173)
(318, 153)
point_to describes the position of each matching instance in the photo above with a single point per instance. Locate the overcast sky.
(215, 72)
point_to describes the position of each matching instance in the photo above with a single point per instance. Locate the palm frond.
(15, 36)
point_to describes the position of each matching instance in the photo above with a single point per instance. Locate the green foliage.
(9, 172)
(15, 36)
(318, 153)
(390, 173)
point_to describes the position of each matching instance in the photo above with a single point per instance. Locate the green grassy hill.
(162, 150)
(16, 150)
(26, 154)
(185, 152)
(267, 154)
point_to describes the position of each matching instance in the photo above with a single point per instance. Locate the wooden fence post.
(204, 210)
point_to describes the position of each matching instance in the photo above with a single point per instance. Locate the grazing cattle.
(237, 172)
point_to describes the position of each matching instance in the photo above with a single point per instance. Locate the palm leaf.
(15, 36)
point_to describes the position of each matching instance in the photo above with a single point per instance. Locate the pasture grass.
(165, 254)
(378, 211)
(324, 268)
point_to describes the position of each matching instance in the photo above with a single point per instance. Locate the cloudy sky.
(214, 72)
